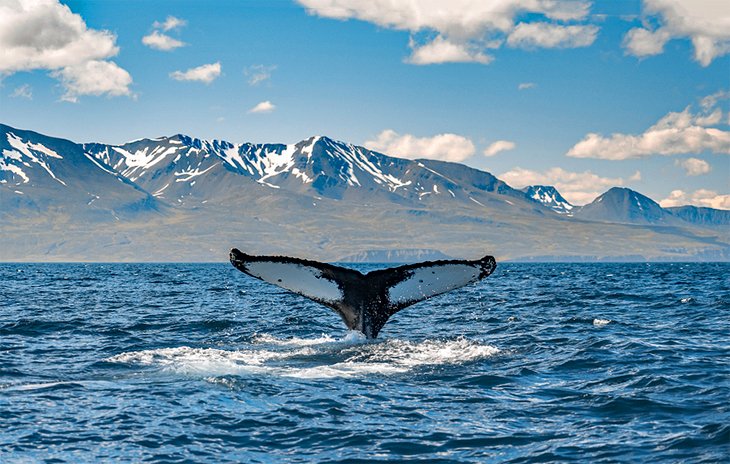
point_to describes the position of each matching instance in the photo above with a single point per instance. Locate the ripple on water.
(196, 362)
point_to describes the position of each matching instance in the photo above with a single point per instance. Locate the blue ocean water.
(200, 363)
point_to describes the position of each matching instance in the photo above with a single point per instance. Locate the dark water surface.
(540, 362)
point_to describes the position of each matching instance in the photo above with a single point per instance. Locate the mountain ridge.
(190, 199)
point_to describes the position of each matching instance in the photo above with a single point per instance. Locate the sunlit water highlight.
(199, 363)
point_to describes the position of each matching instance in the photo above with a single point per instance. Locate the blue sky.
(534, 77)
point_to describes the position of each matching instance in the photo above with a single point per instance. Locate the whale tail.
(364, 301)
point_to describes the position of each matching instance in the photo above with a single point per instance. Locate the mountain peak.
(550, 197)
(621, 204)
(624, 194)
(622, 191)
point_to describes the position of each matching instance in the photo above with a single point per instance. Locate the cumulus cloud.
(206, 73)
(462, 30)
(44, 34)
(544, 35)
(263, 107)
(684, 132)
(526, 85)
(169, 24)
(93, 78)
(694, 166)
(705, 22)
(701, 197)
(164, 42)
(445, 147)
(499, 146)
(441, 50)
(642, 42)
(160, 41)
(23, 91)
(578, 188)
(47, 35)
(258, 73)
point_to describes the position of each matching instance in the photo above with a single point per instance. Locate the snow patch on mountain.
(139, 162)
(26, 147)
(272, 164)
(12, 168)
(191, 173)
(307, 149)
(26, 152)
(358, 158)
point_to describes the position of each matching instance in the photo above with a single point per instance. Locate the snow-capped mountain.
(38, 173)
(624, 205)
(190, 171)
(182, 198)
(550, 197)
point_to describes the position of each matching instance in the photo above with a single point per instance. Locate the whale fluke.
(364, 301)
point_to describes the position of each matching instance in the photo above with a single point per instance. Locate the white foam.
(302, 358)
(352, 337)
(601, 322)
(34, 386)
(429, 352)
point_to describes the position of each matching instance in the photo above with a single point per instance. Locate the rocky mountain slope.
(624, 205)
(701, 216)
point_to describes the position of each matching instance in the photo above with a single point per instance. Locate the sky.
(577, 94)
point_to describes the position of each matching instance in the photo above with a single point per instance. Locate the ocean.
(201, 363)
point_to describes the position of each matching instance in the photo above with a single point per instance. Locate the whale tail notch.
(365, 302)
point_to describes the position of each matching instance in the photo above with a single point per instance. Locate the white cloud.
(164, 42)
(526, 85)
(642, 42)
(47, 35)
(206, 73)
(93, 78)
(441, 50)
(461, 30)
(701, 197)
(499, 146)
(23, 91)
(258, 73)
(676, 133)
(44, 34)
(578, 188)
(705, 22)
(710, 101)
(545, 35)
(694, 166)
(445, 147)
(263, 107)
(170, 23)
(160, 41)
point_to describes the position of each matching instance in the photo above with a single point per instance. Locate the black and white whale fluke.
(364, 301)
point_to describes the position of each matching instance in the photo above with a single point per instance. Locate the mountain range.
(180, 198)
